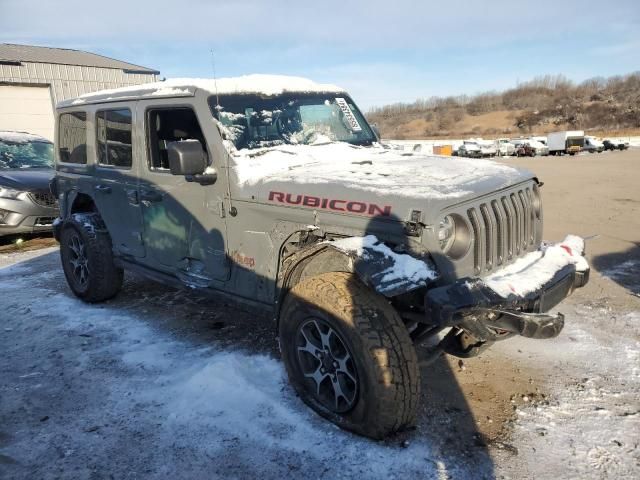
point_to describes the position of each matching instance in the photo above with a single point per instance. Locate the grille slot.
(44, 221)
(503, 229)
(44, 199)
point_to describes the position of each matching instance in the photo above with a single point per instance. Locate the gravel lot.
(159, 383)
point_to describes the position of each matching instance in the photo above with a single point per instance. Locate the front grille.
(503, 229)
(44, 199)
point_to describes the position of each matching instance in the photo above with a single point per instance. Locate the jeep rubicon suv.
(275, 192)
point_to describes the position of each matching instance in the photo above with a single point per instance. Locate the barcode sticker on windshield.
(351, 118)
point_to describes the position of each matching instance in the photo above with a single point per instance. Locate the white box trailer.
(570, 141)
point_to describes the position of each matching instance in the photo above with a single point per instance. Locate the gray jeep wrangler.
(275, 192)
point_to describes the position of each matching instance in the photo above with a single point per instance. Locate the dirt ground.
(25, 243)
(117, 390)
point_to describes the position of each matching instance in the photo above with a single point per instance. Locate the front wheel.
(349, 356)
(87, 258)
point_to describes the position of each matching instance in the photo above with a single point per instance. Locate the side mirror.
(186, 157)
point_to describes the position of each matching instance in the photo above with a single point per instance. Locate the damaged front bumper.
(498, 306)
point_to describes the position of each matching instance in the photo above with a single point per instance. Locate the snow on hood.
(256, 83)
(20, 137)
(373, 169)
(529, 273)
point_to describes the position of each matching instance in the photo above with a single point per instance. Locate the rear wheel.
(349, 356)
(87, 258)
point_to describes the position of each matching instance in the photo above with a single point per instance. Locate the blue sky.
(381, 51)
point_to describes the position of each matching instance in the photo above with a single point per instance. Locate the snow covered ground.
(97, 390)
(158, 383)
(588, 424)
(119, 389)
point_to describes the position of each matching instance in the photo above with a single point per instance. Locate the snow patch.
(530, 272)
(257, 83)
(403, 268)
(374, 169)
(20, 137)
(589, 426)
(219, 411)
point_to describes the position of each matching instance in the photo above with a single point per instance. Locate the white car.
(505, 148)
(592, 145)
(539, 147)
(487, 148)
(470, 148)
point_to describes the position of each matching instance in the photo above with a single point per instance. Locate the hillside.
(545, 104)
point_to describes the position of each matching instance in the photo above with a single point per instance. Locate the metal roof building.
(33, 79)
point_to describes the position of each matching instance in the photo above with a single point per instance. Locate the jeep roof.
(186, 87)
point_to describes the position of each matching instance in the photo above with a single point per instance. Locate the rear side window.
(72, 137)
(114, 137)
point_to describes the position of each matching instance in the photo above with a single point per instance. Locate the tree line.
(545, 103)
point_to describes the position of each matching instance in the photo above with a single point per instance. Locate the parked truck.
(570, 142)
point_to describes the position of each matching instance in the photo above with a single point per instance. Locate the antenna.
(215, 81)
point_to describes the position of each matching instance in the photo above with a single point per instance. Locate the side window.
(114, 137)
(72, 137)
(165, 125)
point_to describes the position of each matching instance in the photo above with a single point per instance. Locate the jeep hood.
(368, 174)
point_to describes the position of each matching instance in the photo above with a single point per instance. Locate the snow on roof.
(256, 83)
(20, 137)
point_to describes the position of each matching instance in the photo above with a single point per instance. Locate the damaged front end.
(513, 301)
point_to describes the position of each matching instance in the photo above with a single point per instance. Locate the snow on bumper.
(535, 269)
(517, 295)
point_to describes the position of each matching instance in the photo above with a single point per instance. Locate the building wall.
(69, 81)
(28, 109)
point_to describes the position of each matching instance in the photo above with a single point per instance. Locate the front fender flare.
(385, 271)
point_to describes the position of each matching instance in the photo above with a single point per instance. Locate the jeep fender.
(72, 202)
(370, 265)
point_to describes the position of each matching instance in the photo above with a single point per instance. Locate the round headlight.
(454, 236)
(446, 233)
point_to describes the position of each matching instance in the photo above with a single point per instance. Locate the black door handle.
(103, 188)
(150, 196)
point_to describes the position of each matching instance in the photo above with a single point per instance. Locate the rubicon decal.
(333, 204)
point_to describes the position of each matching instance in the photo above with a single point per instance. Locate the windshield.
(25, 155)
(255, 121)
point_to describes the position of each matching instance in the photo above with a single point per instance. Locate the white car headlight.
(9, 193)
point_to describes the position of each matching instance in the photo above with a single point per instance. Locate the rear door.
(115, 179)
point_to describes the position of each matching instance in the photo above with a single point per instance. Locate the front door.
(184, 230)
(115, 179)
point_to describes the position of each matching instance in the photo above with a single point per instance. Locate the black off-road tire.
(384, 356)
(103, 278)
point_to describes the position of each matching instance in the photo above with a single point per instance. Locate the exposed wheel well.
(82, 203)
